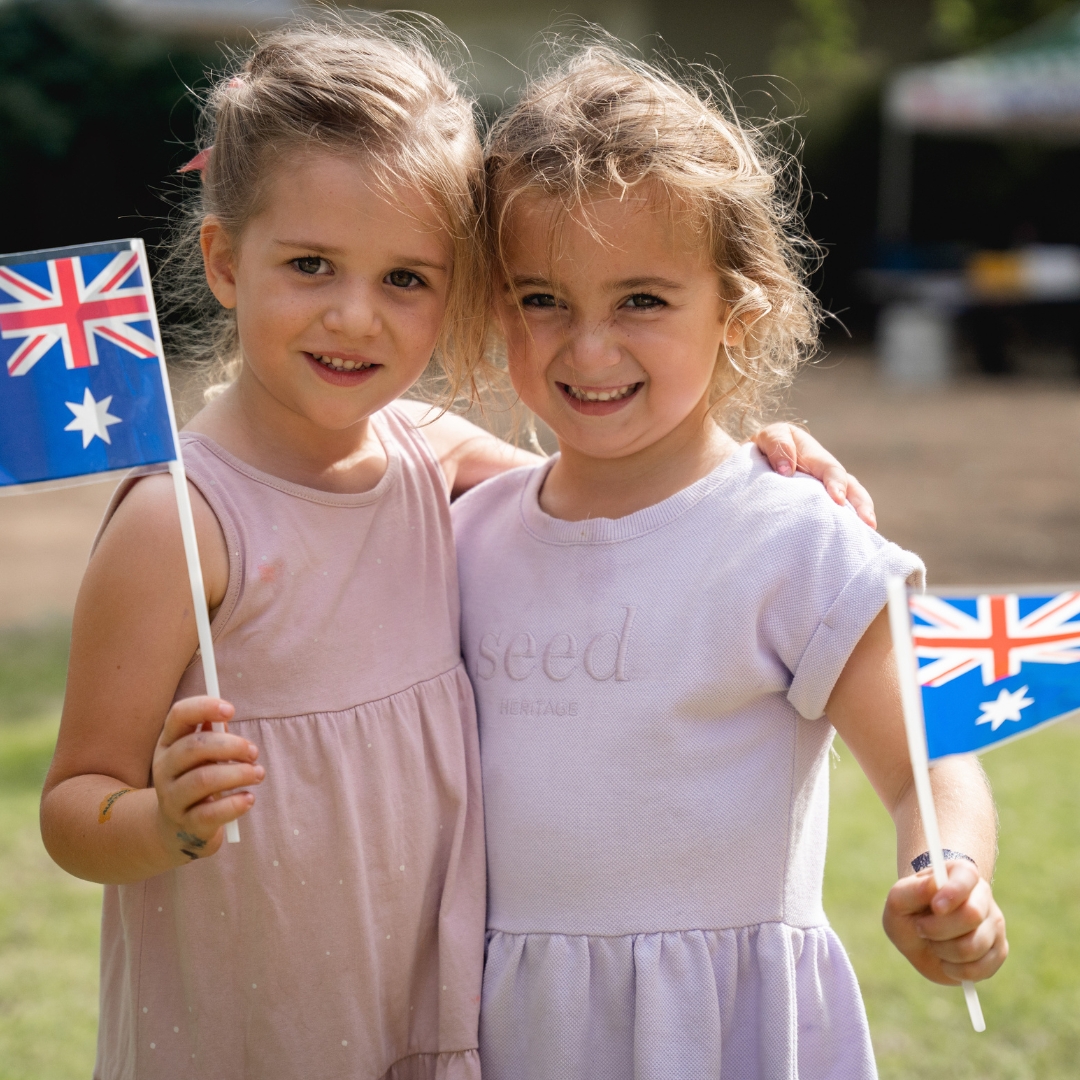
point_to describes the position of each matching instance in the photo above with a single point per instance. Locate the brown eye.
(644, 300)
(539, 300)
(309, 264)
(402, 279)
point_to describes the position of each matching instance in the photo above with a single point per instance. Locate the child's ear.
(218, 261)
(736, 327)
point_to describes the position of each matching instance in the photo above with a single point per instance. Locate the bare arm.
(957, 932)
(468, 454)
(132, 637)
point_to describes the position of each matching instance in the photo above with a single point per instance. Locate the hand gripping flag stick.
(194, 565)
(911, 700)
(198, 599)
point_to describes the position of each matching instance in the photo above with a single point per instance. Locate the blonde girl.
(337, 228)
(343, 937)
(664, 636)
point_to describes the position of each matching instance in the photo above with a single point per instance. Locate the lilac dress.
(655, 765)
(343, 936)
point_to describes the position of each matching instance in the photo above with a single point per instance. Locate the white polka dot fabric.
(655, 766)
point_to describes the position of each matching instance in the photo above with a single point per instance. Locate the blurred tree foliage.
(820, 52)
(959, 25)
(94, 117)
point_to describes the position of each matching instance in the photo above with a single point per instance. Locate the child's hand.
(951, 934)
(789, 448)
(192, 768)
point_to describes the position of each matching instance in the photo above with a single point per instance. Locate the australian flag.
(83, 387)
(995, 666)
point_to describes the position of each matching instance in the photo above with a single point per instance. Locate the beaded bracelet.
(921, 862)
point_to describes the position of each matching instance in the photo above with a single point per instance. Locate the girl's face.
(339, 288)
(614, 327)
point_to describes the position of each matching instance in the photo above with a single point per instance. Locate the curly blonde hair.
(603, 121)
(377, 89)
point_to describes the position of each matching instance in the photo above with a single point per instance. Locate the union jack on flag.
(995, 665)
(69, 309)
(83, 386)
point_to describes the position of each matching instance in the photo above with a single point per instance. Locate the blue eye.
(403, 279)
(309, 265)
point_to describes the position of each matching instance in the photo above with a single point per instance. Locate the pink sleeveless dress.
(343, 936)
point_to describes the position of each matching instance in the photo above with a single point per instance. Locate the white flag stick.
(911, 699)
(187, 530)
(198, 598)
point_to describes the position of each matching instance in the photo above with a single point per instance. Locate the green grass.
(49, 921)
(1032, 1005)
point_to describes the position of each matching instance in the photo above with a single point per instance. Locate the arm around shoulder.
(467, 453)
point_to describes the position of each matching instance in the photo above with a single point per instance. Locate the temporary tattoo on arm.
(105, 810)
(192, 842)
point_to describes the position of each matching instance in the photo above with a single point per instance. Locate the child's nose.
(594, 347)
(353, 312)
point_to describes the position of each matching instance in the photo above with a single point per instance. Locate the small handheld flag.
(911, 700)
(977, 671)
(995, 666)
(84, 389)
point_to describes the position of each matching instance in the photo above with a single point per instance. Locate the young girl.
(663, 635)
(343, 937)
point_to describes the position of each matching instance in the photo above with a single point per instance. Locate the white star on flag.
(1007, 707)
(92, 418)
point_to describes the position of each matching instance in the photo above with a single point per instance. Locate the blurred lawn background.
(49, 920)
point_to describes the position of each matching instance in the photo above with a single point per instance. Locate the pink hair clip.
(198, 162)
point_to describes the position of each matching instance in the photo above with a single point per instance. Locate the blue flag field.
(83, 386)
(995, 666)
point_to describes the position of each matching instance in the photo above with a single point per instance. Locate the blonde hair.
(603, 121)
(377, 88)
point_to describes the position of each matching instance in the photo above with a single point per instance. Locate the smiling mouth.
(607, 393)
(335, 363)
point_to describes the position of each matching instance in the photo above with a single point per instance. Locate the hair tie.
(198, 162)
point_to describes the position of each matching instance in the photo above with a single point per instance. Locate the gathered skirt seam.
(459, 666)
(646, 933)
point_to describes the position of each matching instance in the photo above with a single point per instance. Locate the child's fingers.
(209, 781)
(207, 817)
(967, 948)
(777, 443)
(814, 459)
(963, 881)
(986, 965)
(187, 714)
(861, 501)
(958, 922)
(203, 748)
(911, 895)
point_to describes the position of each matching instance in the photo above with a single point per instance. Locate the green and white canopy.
(1027, 84)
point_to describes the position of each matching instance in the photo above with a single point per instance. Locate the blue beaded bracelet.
(921, 862)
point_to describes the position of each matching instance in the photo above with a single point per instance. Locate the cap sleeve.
(831, 591)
